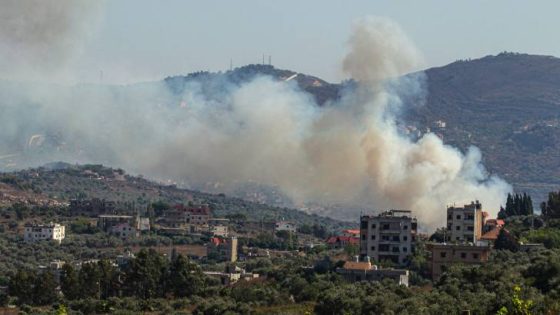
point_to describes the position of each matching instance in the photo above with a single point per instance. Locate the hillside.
(55, 184)
(507, 105)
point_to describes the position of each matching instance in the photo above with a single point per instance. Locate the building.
(285, 226)
(40, 232)
(444, 255)
(389, 236)
(351, 233)
(465, 224)
(123, 226)
(232, 274)
(223, 249)
(123, 230)
(355, 271)
(342, 241)
(219, 230)
(92, 207)
(182, 216)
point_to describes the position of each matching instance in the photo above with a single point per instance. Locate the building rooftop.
(358, 265)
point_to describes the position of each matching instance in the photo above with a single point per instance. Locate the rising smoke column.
(348, 152)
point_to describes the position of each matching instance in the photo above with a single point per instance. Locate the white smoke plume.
(38, 38)
(348, 152)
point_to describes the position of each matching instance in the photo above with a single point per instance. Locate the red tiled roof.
(491, 235)
(217, 241)
(356, 232)
(349, 239)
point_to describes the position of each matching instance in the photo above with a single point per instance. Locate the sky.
(141, 40)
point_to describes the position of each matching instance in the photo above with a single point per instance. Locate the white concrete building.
(285, 226)
(389, 236)
(40, 232)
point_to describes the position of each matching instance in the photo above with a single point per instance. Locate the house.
(40, 232)
(223, 249)
(464, 224)
(123, 230)
(232, 274)
(182, 216)
(92, 207)
(285, 226)
(444, 255)
(123, 226)
(390, 236)
(355, 271)
(335, 242)
(351, 233)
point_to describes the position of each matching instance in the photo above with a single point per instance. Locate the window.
(443, 254)
(384, 248)
(373, 226)
(404, 249)
(458, 228)
(395, 249)
(405, 238)
(373, 248)
(405, 227)
(475, 255)
(386, 226)
(450, 217)
(458, 217)
(470, 228)
(463, 255)
(363, 237)
(396, 238)
(458, 238)
(363, 225)
(373, 237)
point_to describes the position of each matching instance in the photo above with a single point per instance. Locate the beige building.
(40, 232)
(464, 224)
(355, 271)
(444, 255)
(390, 236)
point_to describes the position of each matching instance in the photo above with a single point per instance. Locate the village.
(379, 247)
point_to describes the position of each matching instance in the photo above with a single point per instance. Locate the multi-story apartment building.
(390, 235)
(39, 232)
(465, 224)
(444, 255)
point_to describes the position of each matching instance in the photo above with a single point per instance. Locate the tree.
(69, 283)
(502, 214)
(90, 281)
(185, 278)
(21, 286)
(506, 241)
(519, 306)
(108, 279)
(44, 289)
(551, 208)
(144, 277)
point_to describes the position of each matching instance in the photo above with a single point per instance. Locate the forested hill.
(56, 183)
(507, 105)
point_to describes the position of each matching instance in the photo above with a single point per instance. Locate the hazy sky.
(141, 40)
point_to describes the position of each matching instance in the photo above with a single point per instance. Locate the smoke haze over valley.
(348, 150)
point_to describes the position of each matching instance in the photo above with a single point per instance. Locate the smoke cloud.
(38, 38)
(348, 152)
